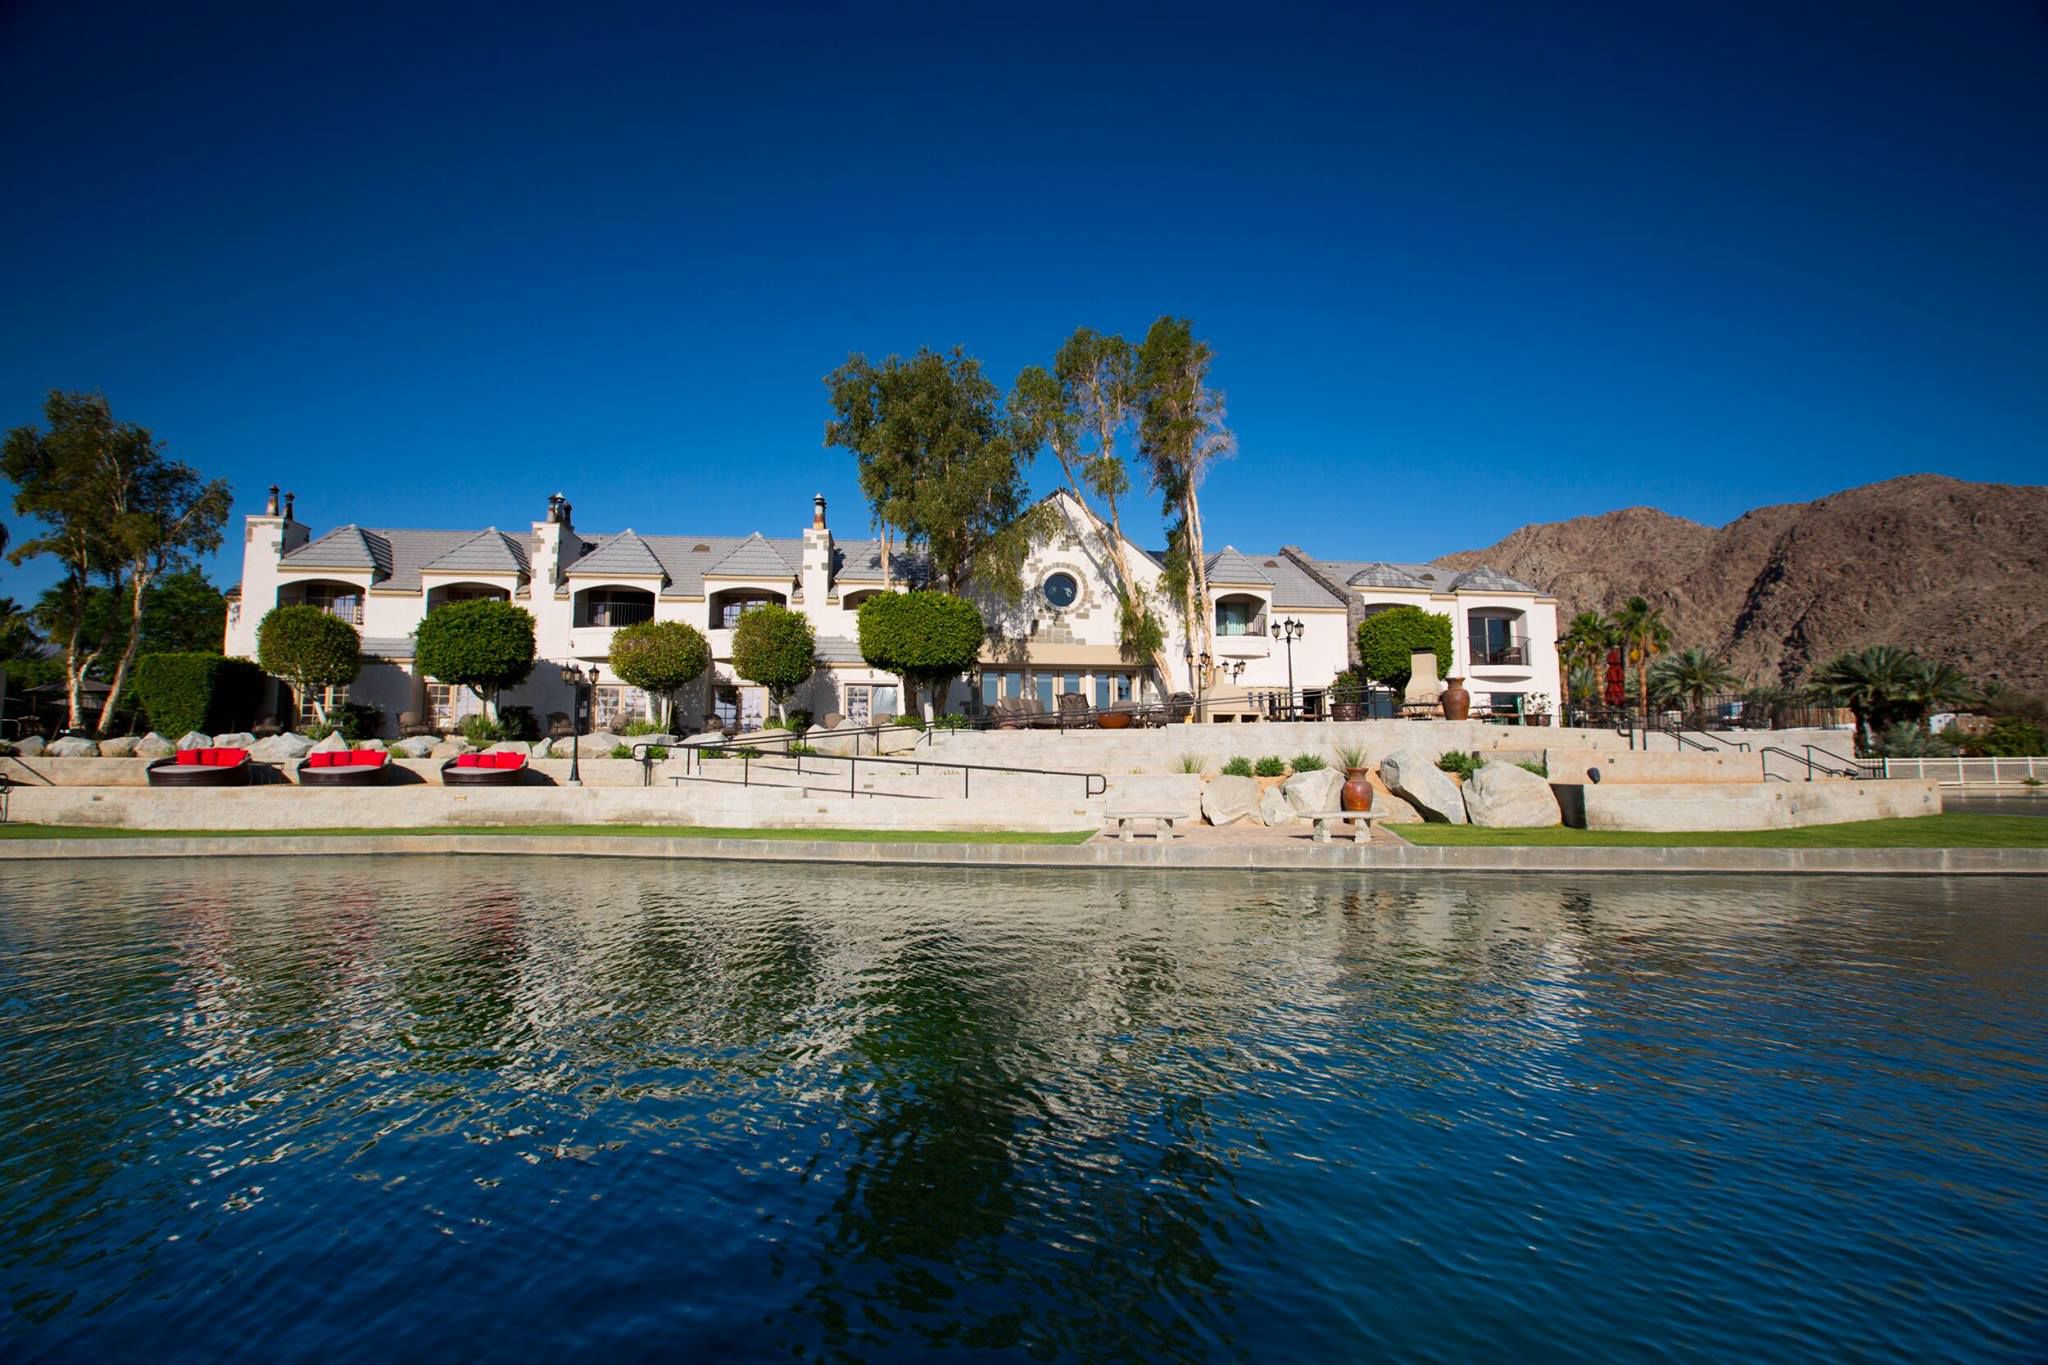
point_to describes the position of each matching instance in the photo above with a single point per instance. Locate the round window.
(1060, 589)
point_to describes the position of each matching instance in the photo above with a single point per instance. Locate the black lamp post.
(577, 681)
(1289, 630)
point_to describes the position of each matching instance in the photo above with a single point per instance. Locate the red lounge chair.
(483, 770)
(202, 768)
(345, 768)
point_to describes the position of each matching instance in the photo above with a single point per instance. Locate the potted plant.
(1356, 794)
(1347, 696)
(1536, 708)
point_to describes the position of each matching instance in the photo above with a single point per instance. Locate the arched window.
(1240, 614)
(614, 606)
(336, 599)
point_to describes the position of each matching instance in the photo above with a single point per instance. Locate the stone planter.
(1455, 700)
(1113, 720)
(1347, 710)
(1536, 720)
(1357, 790)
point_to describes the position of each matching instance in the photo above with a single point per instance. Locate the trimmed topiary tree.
(486, 646)
(775, 647)
(929, 638)
(210, 693)
(660, 657)
(1386, 639)
(309, 648)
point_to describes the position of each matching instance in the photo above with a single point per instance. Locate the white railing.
(1973, 772)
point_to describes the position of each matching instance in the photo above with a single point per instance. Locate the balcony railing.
(1497, 651)
(349, 609)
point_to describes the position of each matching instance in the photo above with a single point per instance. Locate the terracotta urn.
(1113, 720)
(1456, 701)
(1357, 790)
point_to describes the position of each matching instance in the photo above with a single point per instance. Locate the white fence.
(1970, 772)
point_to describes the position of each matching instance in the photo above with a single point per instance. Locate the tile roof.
(755, 557)
(345, 547)
(1484, 579)
(490, 551)
(388, 646)
(688, 558)
(1294, 586)
(860, 561)
(624, 555)
(1228, 566)
(837, 649)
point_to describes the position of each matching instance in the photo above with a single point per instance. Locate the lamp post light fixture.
(1289, 630)
(577, 681)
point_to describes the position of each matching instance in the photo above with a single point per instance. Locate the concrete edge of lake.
(1943, 862)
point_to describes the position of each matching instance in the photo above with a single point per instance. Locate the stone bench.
(1163, 821)
(1361, 822)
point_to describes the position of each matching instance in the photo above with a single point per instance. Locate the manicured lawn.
(848, 836)
(1931, 831)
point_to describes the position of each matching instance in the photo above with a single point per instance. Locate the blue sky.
(1464, 267)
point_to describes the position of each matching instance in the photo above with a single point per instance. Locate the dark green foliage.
(642, 727)
(1272, 765)
(2008, 737)
(799, 749)
(519, 722)
(1308, 763)
(1907, 740)
(195, 691)
(941, 462)
(1463, 764)
(914, 722)
(775, 647)
(660, 657)
(951, 723)
(483, 645)
(481, 731)
(1540, 769)
(1386, 640)
(308, 648)
(622, 751)
(930, 638)
(357, 720)
(1238, 767)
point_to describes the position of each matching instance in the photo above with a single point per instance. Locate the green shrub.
(1272, 765)
(1907, 740)
(519, 722)
(642, 727)
(1308, 763)
(1238, 767)
(777, 648)
(485, 645)
(354, 720)
(930, 638)
(774, 723)
(800, 749)
(914, 722)
(2008, 737)
(308, 648)
(622, 751)
(481, 731)
(1351, 756)
(1193, 763)
(951, 723)
(1540, 769)
(1387, 638)
(660, 657)
(317, 731)
(209, 693)
(799, 720)
(1461, 763)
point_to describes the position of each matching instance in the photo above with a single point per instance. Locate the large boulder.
(235, 740)
(154, 745)
(371, 744)
(286, 748)
(1274, 808)
(1504, 796)
(454, 746)
(1313, 793)
(333, 744)
(828, 742)
(192, 739)
(419, 746)
(119, 746)
(29, 747)
(1228, 799)
(511, 746)
(72, 746)
(1425, 786)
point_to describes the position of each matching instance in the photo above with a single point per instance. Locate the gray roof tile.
(1228, 566)
(345, 547)
(490, 551)
(1484, 579)
(624, 555)
(755, 557)
(837, 649)
(860, 561)
(388, 646)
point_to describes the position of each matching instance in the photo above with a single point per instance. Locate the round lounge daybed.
(483, 770)
(345, 768)
(202, 768)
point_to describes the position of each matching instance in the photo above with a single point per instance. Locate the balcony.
(1498, 651)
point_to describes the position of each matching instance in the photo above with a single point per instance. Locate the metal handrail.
(1854, 770)
(694, 754)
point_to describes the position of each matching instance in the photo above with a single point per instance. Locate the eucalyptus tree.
(1080, 408)
(942, 462)
(115, 508)
(1181, 433)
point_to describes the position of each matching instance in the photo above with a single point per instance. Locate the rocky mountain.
(1955, 570)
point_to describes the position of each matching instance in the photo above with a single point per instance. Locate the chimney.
(270, 507)
(816, 580)
(556, 502)
(288, 505)
(818, 512)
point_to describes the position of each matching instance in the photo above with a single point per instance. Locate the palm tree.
(1932, 684)
(1583, 648)
(1873, 683)
(1691, 676)
(1642, 630)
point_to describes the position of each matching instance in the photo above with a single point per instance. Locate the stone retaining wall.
(1678, 807)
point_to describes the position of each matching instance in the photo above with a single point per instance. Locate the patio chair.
(1074, 711)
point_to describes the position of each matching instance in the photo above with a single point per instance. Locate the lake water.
(529, 1108)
